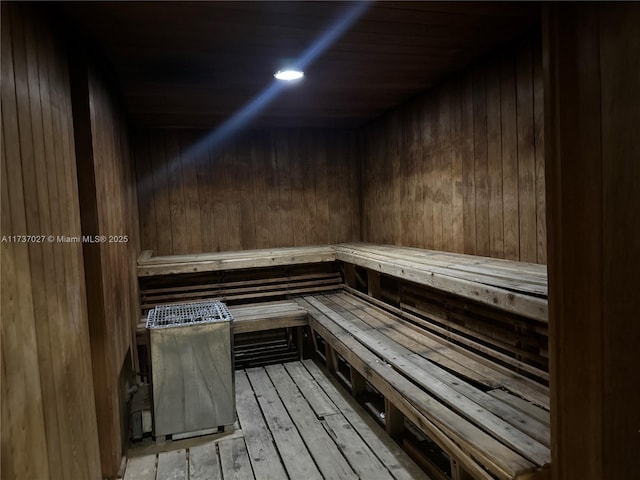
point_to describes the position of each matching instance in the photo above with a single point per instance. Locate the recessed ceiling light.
(288, 75)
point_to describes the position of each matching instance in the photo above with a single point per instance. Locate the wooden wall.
(49, 426)
(461, 168)
(592, 74)
(108, 207)
(265, 189)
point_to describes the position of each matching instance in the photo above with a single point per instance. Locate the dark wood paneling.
(592, 73)
(470, 177)
(169, 56)
(494, 162)
(49, 425)
(620, 109)
(107, 207)
(271, 188)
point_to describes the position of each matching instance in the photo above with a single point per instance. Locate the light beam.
(217, 137)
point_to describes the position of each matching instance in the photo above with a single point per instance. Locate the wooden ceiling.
(197, 64)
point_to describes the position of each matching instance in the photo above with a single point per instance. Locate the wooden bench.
(514, 287)
(264, 333)
(267, 316)
(236, 277)
(150, 266)
(249, 282)
(479, 414)
(193, 288)
(268, 333)
(493, 307)
(456, 345)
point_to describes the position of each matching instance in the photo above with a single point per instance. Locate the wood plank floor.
(294, 423)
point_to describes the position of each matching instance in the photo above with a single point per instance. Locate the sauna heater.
(192, 368)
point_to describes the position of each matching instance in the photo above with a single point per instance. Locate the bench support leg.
(332, 359)
(394, 420)
(350, 274)
(314, 342)
(300, 342)
(458, 473)
(358, 382)
(374, 283)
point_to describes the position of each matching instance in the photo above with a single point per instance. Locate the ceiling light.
(288, 75)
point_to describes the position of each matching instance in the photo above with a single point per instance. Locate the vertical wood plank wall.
(108, 207)
(49, 425)
(461, 168)
(592, 73)
(275, 188)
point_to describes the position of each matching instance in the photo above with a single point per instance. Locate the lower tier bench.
(258, 317)
(468, 409)
(264, 333)
(268, 333)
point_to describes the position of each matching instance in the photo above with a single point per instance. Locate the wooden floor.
(294, 423)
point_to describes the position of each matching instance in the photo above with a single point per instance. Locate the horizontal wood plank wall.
(108, 207)
(49, 428)
(276, 188)
(461, 168)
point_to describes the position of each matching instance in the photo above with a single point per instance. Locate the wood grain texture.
(204, 462)
(391, 53)
(591, 116)
(494, 162)
(192, 378)
(526, 156)
(49, 427)
(393, 457)
(512, 294)
(209, 262)
(262, 451)
(620, 103)
(325, 453)
(172, 465)
(419, 409)
(293, 452)
(266, 189)
(141, 468)
(472, 181)
(107, 194)
(266, 444)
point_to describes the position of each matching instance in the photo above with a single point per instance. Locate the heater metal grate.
(164, 316)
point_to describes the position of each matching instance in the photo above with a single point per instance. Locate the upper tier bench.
(515, 287)
(236, 277)
(149, 266)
